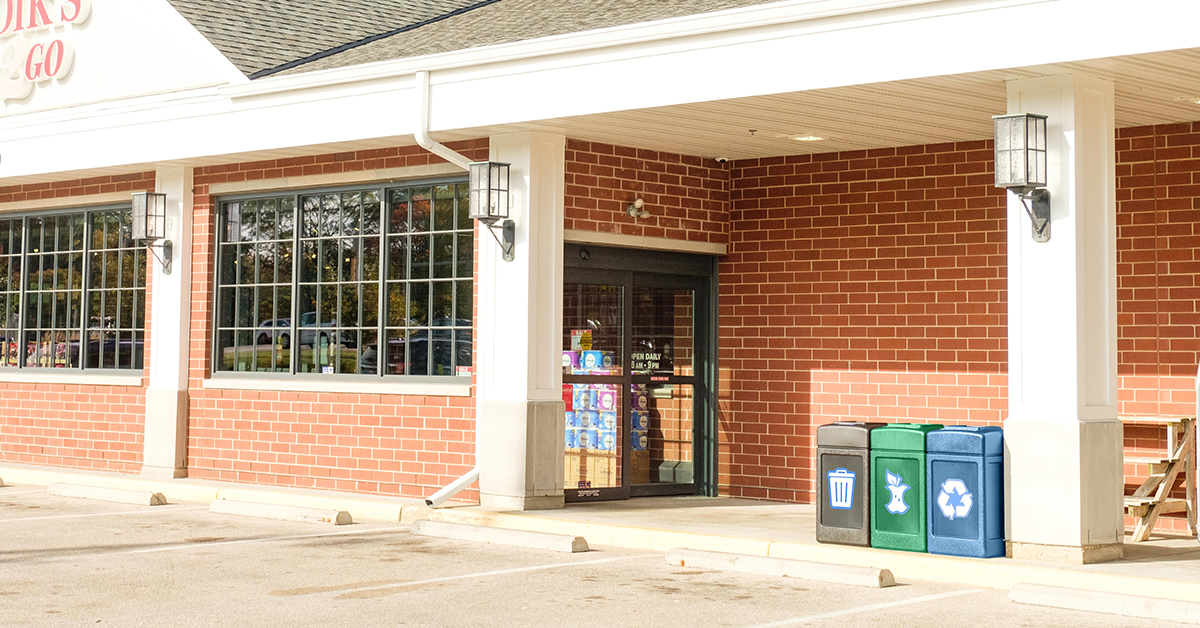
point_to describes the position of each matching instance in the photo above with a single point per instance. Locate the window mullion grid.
(297, 254)
(381, 340)
(118, 293)
(23, 304)
(86, 283)
(101, 344)
(69, 275)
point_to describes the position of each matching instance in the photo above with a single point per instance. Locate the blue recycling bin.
(965, 474)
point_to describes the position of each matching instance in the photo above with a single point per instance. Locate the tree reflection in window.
(373, 267)
(72, 291)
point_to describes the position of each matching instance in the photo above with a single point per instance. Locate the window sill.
(69, 376)
(431, 389)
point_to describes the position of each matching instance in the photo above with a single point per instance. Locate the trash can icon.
(841, 489)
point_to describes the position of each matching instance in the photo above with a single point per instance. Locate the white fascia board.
(920, 40)
(936, 40)
(659, 30)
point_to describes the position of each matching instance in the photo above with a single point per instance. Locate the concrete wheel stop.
(280, 512)
(501, 536)
(763, 565)
(100, 493)
(1105, 602)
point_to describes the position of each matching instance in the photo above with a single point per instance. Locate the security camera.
(721, 160)
(636, 209)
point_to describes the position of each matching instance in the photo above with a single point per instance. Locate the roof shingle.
(259, 35)
(264, 37)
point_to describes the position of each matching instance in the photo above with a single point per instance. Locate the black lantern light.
(1021, 166)
(150, 225)
(489, 200)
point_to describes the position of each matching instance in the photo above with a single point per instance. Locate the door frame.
(603, 265)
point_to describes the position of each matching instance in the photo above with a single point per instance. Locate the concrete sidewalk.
(1165, 567)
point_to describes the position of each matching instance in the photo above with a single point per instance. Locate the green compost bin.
(898, 491)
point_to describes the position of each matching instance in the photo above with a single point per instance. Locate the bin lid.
(845, 434)
(966, 440)
(902, 436)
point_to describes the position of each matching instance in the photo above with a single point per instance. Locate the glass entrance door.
(662, 391)
(630, 356)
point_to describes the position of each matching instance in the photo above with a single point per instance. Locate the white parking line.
(195, 545)
(6, 493)
(866, 609)
(156, 510)
(292, 537)
(487, 574)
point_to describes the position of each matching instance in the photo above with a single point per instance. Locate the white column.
(164, 452)
(519, 419)
(1063, 441)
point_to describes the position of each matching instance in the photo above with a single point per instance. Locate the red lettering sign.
(33, 63)
(26, 59)
(37, 8)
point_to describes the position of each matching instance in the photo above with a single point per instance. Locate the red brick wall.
(1158, 249)
(72, 425)
(865, 285)
(368, 443)
(871, 286)
(687, 196)
(1158, 257)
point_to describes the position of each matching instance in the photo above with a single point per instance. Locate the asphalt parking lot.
(73, 562)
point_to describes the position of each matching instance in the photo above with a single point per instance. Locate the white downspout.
(422, 133)
(1196, 452)
(426, 142)
(451, 489)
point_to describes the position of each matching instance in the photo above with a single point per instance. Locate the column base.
(164, 447)
(163, 473)
(1083, 555)
(519, 452)
(502, 502)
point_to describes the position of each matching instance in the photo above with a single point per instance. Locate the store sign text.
(32, 46)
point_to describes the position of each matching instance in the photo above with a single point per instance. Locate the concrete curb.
(500, 536)
(285, 513)
(1103, 602)
(360, 507)
(100, 493)
(905, 566)
(821, 572)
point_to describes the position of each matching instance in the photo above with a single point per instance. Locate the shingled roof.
(262, 37)
(266, 37)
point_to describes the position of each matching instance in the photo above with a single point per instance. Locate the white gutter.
(438, 498)
(422, 134)
(426, 142)
(753, 17)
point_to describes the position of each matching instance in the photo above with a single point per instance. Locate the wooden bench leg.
(1190, 475)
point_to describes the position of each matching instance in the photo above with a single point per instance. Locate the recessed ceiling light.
(807, 138)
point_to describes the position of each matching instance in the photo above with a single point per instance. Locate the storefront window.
(370, 281)
(72, 291)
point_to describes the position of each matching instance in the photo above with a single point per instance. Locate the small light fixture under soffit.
(636, 209)
(1021, 166)
(489, 201)
(150, 225)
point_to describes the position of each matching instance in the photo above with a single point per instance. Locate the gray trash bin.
(843, 485)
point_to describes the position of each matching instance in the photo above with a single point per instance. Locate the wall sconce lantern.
(150, 225)
(1021, 166)
(489, 202)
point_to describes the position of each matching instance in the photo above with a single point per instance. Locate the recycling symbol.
(954, 500)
